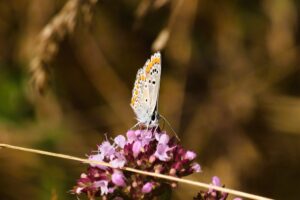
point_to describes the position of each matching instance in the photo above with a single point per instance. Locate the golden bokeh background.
(230, 87)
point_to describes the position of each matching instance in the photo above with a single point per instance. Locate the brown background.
(230, 87)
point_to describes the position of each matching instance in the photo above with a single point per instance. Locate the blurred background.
(230, 87)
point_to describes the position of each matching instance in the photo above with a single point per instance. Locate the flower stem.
(162, 176)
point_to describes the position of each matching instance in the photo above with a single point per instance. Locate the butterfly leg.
(155, 129)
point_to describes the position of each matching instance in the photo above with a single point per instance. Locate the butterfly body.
(144, 101)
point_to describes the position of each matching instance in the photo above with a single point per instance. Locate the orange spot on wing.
(156, 60)
(148, 68)
(151, 63)
(133, 99)
(142, 78)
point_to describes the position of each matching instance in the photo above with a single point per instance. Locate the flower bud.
(147, 187)
(173, 185)
(139, 162)
(190, 155)
(134, 184)
(196, 167)
(157, 168)
(152, 159)
(120, 140)
(216, 181)
(172, 171)
(131, 136)
(136, 148)
(177, 165)
(83, 175)
(118, 178)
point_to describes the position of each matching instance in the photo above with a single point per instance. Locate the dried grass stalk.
(54, 32)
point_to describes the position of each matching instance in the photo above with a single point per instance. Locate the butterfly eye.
(153, 117)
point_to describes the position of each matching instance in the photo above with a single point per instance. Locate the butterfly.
(145, 93)
(144, 101)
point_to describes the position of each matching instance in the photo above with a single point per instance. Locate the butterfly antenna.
(170, 126)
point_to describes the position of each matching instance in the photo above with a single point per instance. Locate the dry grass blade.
(142, 9)
(163, 37)
(50, 37)
(161, 40)
(160, 3)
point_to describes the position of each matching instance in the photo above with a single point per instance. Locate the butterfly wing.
(153, 73)
(146, 88)
(137, 102)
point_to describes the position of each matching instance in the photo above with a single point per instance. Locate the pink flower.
(119, 161)
(120, 140)
(118, 178)
(142, 136)
(106, 149)
(145, 137)
(103, 186)
(196, 167)
(162, 138)
(131, 136)
(190, 155)
(136, 148)
(78, 190)
(147, 187)
(97, 157)
(216, 181)
(213, 194)
(161, 152)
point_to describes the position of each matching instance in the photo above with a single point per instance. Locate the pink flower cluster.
(212, 194)
(147, 150)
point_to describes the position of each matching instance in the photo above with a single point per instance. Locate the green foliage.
(14, 107)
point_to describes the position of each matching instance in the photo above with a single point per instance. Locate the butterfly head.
(154, 118)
